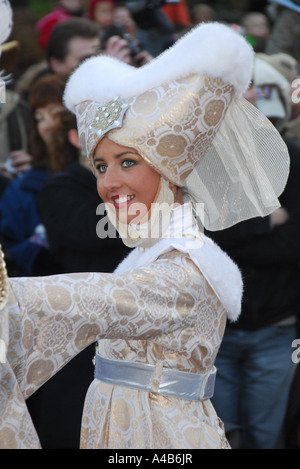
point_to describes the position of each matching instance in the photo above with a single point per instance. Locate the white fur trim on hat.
(213, 49)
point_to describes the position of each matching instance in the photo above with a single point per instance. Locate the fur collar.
(219, 270)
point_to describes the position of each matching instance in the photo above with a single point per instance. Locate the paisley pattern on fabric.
(165, 314)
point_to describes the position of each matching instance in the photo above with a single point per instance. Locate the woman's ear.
(173, 188)
(74, 138)
(177, 192)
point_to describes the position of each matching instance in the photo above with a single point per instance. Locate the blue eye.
(101, 168)
(128, 163)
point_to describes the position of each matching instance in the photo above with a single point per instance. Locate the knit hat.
(185, 115)
(273, 98)
(283, 63)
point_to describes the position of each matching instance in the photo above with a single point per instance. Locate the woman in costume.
(164, 141)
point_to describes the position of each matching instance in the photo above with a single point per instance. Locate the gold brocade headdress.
(185, 115)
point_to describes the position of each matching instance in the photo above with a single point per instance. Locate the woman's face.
(125, 180)
(46, 118)
(104, 14)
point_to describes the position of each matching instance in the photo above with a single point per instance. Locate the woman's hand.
(118, 47)
(18, 162)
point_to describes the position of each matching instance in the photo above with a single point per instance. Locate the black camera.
(134, 45)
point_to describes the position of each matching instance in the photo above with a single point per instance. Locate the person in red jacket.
(64, 10)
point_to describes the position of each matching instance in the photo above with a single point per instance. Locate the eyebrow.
(118, 155)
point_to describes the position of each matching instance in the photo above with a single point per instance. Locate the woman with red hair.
(102, 12)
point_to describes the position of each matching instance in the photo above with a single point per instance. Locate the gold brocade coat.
(165, 314)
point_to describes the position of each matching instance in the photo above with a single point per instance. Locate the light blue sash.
(173, 383)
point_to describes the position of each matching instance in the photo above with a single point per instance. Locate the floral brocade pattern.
(16, 427)
(170, 126)
(165, 314)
